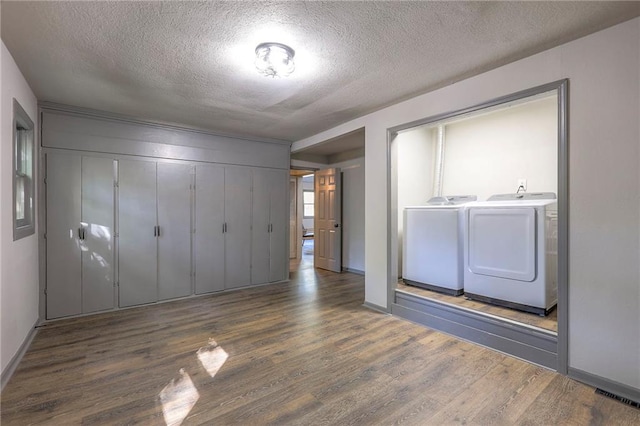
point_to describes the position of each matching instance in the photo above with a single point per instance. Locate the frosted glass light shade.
(275, 59)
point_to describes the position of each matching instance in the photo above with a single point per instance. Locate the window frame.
(304, 204)
(23, 140)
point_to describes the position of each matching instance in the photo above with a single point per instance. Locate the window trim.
(303, 204)
(23, 227)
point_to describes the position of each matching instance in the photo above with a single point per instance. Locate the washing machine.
(432, 244)
(511, 251)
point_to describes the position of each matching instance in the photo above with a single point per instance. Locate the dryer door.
(502, 242)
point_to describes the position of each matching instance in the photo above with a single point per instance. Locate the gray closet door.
(209, 235)
(138, 252)
(64, 277)
(260, 226)
(237, 203)
(278, 258)
(174, 239)
(97, 240)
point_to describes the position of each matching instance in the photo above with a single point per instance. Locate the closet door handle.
(80, 233)
(84, 230)
(155, 231)
(158, 230)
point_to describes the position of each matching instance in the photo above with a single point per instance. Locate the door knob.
(336, 225)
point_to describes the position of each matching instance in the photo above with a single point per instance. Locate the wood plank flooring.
(549, 322)
(302, 353)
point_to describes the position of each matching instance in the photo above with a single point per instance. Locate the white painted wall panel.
(488, 154)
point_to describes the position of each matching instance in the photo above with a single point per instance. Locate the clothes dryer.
(510, 251)
(432, 244)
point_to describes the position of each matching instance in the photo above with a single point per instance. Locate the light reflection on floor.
(178, 398)
(212, 357)
(180, 395)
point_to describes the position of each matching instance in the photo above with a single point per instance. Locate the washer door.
(502, 242)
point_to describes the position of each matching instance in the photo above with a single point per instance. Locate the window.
(308, 207)
(23, 173)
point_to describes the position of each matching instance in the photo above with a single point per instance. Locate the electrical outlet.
(522, 184)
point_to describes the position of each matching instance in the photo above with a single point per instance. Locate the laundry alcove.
(517, 143)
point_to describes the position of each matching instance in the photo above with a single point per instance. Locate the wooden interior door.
(328, 220)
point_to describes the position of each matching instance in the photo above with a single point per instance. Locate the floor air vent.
(619, 398)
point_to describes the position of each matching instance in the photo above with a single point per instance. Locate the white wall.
(353, 249)
(604, 201)
(486, 155)
(19, 259)
(415, 160)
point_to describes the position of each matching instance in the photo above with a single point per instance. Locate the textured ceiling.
(192, 62)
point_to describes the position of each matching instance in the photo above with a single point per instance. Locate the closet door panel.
(174, 221)
(237, 201)
(209, 250)
(97, 242)
(278, 258)
(138, 245)
(64, 276)
(260, 226)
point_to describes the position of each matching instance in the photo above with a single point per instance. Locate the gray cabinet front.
(209, 247)
(97, 234)
(64, 279)
(174, 230)
(138, 244)
(171, 240)
(278, 211)
(80, 234)
(269, 226)
(237, 205)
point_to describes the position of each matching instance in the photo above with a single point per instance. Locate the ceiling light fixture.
(275, 59)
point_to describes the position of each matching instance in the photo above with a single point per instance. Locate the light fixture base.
(274, 59)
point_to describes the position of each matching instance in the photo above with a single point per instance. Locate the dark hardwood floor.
(303, 353)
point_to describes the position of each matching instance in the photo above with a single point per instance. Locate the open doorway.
(308, 216)
(345, 154)
(301, 217)
(506, 153)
